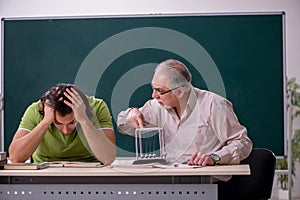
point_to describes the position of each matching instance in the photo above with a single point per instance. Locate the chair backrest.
(259, 184)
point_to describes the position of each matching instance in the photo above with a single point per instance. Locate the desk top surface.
(122, 170)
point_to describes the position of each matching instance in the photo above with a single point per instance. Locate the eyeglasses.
(162, 92)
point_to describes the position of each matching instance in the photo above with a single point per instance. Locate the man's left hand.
(77, 104)
(199, 158)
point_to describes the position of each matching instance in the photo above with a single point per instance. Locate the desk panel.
(115, 182)
(105, 180)
(109, 192)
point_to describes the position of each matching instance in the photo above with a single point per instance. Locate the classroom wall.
(47, 8)
(35, 8)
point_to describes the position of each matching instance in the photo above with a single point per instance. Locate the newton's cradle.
(149, 146)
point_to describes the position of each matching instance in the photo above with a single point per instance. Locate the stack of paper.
(23, 166)
(3, 159)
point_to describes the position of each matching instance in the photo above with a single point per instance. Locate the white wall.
(38, 8)
(46, 8)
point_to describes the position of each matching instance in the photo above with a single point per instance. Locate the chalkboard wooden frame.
(40, 52)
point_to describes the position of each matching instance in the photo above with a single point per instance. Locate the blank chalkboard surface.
(239, 56)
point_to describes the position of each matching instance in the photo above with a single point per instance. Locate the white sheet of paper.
(176, 165)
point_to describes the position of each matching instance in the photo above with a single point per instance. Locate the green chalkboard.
(239, 56)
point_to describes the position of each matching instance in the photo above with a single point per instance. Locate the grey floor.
(279, 199)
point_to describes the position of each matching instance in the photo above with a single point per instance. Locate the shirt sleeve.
(150, 112)
(123, 126)
(102, 113)
(236, 145)
(31, 117)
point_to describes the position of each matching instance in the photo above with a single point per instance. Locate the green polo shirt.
(57, 147)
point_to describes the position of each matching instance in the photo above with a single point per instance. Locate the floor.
(280, 199)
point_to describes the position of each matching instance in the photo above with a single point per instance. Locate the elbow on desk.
(15, 156)
(16, 159)
(107, 160)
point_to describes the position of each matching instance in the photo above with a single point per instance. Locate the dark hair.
(56, 97)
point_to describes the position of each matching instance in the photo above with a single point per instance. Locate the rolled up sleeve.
(236, 145)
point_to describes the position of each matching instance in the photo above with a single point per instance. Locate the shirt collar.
(190, 104)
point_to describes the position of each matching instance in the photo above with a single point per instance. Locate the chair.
(258, 185)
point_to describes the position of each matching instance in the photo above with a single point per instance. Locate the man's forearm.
(101, 142)
(123, 126)
(25, 143)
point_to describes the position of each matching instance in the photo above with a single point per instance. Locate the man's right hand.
(48, 112)
(135, 118)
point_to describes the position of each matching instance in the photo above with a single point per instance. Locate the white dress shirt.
(208, 124)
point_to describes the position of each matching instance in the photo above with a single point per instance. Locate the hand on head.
(49, 112)
(77, 104)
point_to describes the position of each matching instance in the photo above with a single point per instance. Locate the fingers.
(198, 158)
(47, 104)
(135, 117)
(194, 156)
(48, 112)
(77, 104)
(140, 123)
(201, 159)
(69, 95)
(73, 96)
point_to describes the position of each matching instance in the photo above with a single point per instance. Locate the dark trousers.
(227, 191)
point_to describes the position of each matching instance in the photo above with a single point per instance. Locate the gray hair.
(178, 73)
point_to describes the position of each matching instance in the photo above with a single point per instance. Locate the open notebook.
(75, 164)
(43, 165)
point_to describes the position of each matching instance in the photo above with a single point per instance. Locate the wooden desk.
(117, 182)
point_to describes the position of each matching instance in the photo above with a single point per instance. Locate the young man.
(200, 127)
(65, 125)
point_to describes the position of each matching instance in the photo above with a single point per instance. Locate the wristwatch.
(215, 158)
